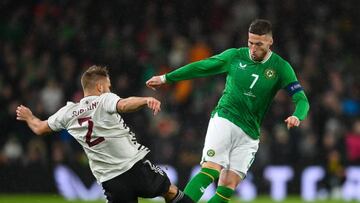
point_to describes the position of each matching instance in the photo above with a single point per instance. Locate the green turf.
(21, 198)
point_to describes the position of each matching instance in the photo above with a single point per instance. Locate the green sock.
(197, 185)
(222, 195)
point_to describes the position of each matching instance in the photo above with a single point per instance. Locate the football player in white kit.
(116, 159)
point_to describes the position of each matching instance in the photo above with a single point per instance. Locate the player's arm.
(207, 67)
(290, 83)
(302, 105)
(197, 69)
(132, 104)
(301, 109)
(38, 126)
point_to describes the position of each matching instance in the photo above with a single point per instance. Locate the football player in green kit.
(254, 75)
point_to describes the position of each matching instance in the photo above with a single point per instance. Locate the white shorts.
(227, 145)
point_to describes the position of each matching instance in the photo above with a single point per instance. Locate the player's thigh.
(243, 154)
(151, 180)
(217, 144)
(120, 189)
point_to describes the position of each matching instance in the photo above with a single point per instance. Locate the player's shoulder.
(108, 95)
(280, 61)
(243, 52)
(108, 98)
(228, 53)
(278, 58)
(243, 49)
(237, 50)
(69, 105)
(108, 101)
(63, 111)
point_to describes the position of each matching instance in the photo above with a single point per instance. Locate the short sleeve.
(110, 101)
(56, 121)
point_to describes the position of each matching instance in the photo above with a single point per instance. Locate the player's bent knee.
(211, 165)
(230, 178)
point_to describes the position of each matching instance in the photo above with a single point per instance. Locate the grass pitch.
(49, 198)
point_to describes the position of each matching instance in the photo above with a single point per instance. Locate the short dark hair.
(92, 75)
(260, 27)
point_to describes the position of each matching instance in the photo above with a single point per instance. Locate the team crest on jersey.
(270, 73)
(210, 153)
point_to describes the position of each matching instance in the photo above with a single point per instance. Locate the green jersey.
(250, 86)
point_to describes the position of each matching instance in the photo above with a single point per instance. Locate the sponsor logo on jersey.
(210, 153)
(242, 66)
(250, 94)
(270, 73)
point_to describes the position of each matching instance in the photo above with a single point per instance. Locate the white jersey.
(109, 144)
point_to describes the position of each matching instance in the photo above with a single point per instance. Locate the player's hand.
(292, 121)
(155, 82)
(23, 113)
(153, 104)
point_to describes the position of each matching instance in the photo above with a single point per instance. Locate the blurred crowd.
(45, 45)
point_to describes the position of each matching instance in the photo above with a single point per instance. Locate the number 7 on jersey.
(256, 77)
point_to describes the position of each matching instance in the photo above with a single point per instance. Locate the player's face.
(259, 46)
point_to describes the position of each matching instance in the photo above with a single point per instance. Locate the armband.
(293, 87)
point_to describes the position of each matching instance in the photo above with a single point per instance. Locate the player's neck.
(264, 59)
(91, 93)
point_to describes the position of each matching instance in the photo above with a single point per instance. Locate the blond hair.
(92, 75)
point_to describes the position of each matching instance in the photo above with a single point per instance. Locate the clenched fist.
(155, 82)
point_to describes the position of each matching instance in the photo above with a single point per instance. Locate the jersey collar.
(267, 57)
(84, 99)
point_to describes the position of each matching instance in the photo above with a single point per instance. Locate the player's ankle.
(181, 197)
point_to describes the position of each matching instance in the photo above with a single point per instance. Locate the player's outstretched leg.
(151, 181)
(197, 185)
(174, 195)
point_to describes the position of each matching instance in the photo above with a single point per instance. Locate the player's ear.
(271, 41)
(99, 87)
